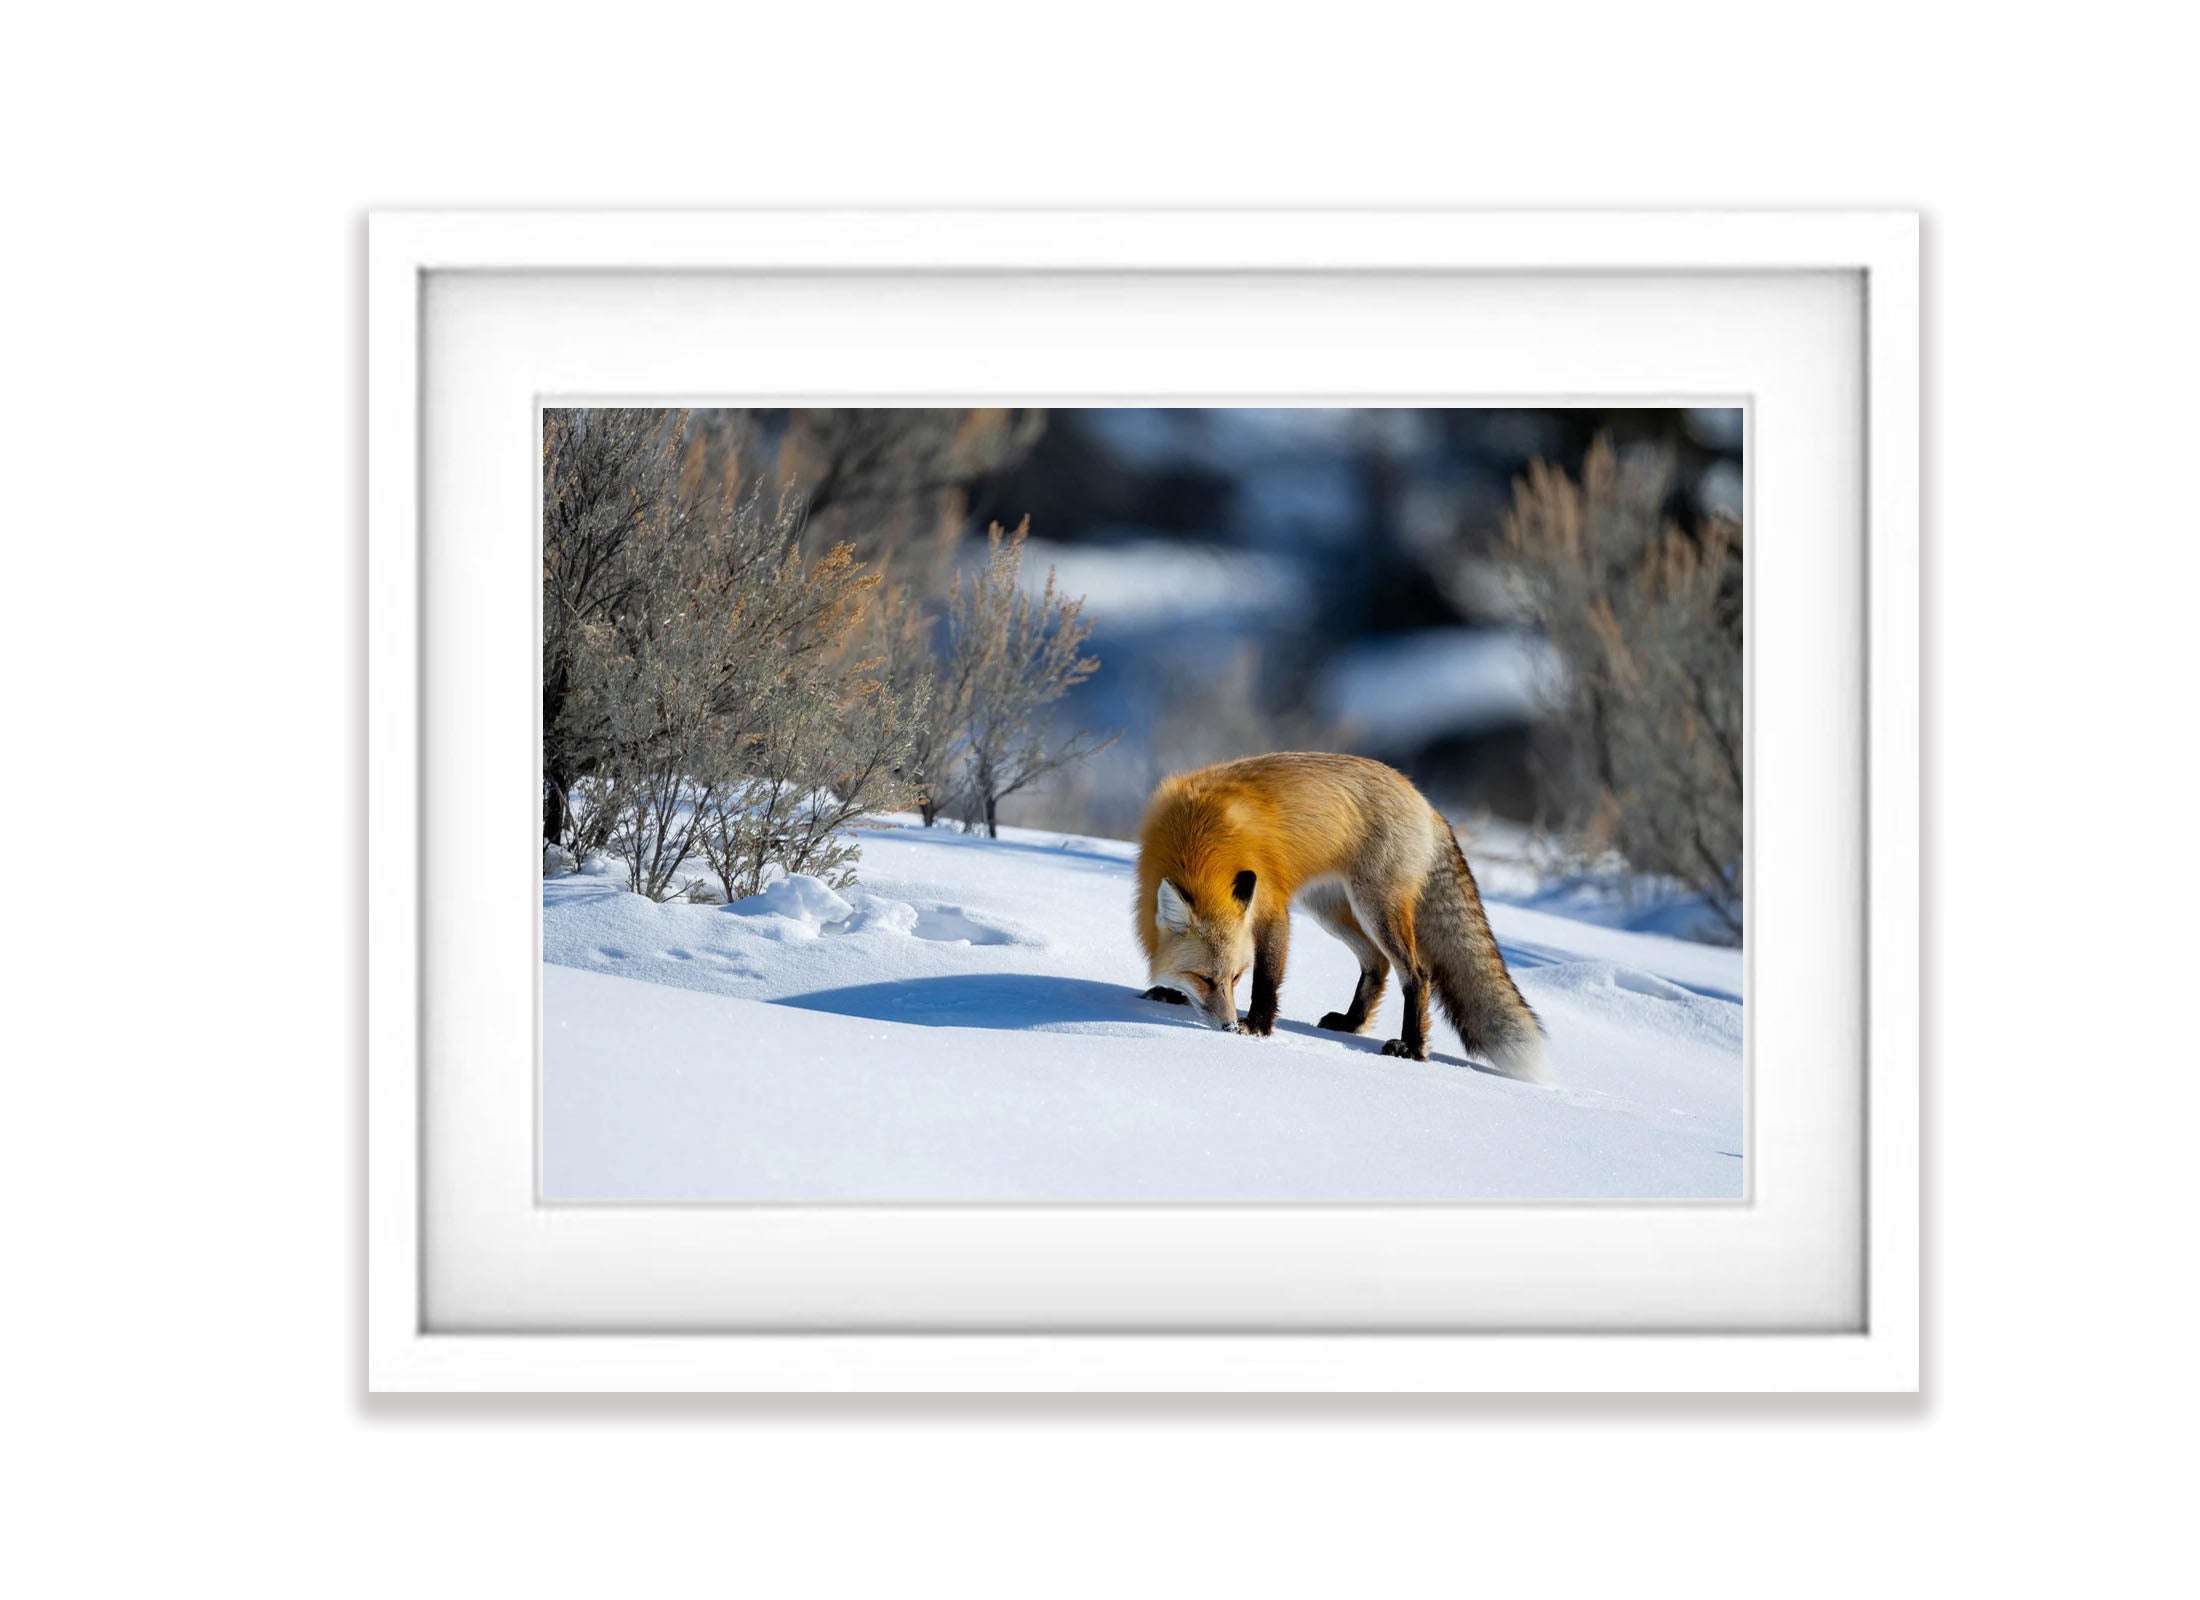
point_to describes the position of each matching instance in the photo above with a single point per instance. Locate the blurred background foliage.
(1535, 614)
(1261, 579)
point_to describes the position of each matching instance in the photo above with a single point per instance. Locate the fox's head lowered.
(1203, 946)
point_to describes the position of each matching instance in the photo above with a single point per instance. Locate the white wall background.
(182, 504)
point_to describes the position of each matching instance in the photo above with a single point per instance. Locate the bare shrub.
(891, 485)
(606, 474)
(591, 811)
(1642, 752)
(1010, 657)
(824, 751)
(681, 689)
(649, 689)
(730, 683)
(659, 723)
(897, 638)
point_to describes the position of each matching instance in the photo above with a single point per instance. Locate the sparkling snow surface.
(966, 1025)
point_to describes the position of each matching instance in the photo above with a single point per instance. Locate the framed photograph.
(1143, 801)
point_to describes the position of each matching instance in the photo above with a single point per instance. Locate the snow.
(1143, 581)
(802, 901)
(1403, 690)
(1511, 865)
(965, 1024)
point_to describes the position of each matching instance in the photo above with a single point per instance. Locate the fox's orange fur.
(1225, 851)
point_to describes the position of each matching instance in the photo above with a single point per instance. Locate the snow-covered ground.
(966, 1025)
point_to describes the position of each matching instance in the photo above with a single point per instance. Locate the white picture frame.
(409, 1349)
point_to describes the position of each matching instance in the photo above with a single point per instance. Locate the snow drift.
(966, 1025)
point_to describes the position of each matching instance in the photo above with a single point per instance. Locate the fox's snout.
(1220, 1012)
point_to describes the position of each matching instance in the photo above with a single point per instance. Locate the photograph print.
(1162, 804)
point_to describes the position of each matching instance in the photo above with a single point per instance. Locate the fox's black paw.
(1338, 1022)
(1166, 996)
(1256, 1027)
(1398, 1047)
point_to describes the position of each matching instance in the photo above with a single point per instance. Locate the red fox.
(1224, 852)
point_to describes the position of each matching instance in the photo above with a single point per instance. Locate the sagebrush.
(1011, 655)
(1641, 754)
(707, 703)
(721, 685)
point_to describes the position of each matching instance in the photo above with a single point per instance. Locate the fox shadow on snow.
(1011, 1001)
(1005, 1000)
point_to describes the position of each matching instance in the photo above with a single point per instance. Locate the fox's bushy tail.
(1468, 973)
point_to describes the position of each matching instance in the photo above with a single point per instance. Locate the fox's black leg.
(1167, 996)
(1393, 932)
(1271, 944)
(1367, 994)
(1413, 1042)
(1334, 907)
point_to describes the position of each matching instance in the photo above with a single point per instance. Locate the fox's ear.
(1243, 888)
(1171, 909)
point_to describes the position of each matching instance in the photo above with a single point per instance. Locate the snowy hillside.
(966, 1026)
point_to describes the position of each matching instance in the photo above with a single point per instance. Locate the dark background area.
(1265, 578)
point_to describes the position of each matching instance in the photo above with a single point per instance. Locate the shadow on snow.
(1013, 1001)
(1004, 1000)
